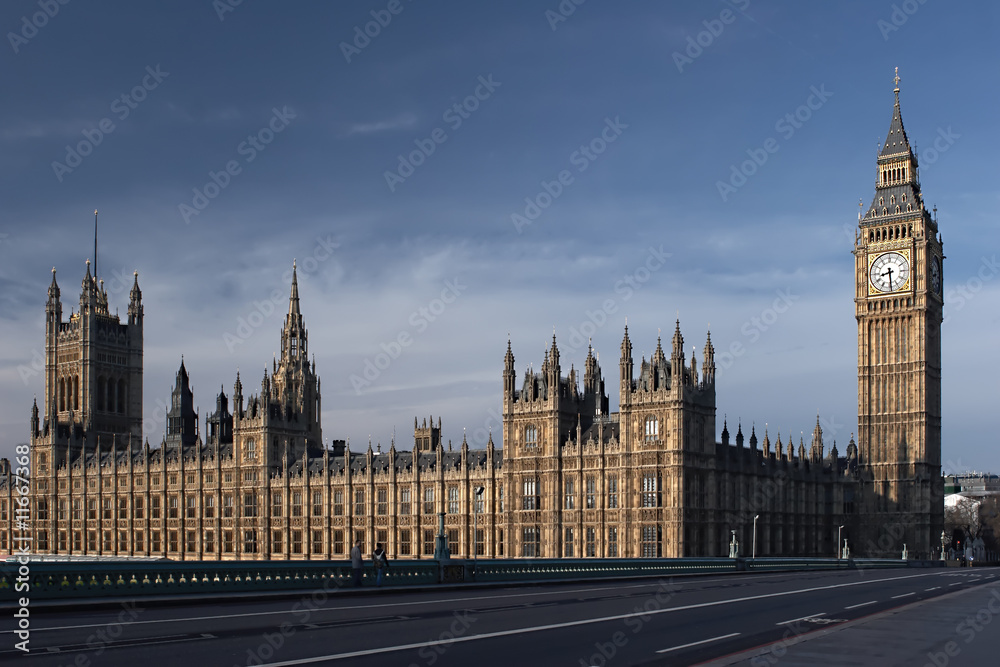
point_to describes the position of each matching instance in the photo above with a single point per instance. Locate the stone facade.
(572, 479)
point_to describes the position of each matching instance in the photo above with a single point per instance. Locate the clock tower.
(899, 297)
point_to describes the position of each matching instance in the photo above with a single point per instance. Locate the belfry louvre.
(571, 480)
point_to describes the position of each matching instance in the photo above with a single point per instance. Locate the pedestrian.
(357, 563)
(381, 563)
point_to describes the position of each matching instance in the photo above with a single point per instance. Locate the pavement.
(960, 628)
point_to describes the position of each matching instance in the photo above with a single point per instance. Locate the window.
(650, 490)
(429, 500)
(651, 545)
(591, 491)
(591, 544)
(209, 541)
(173, 509)
(42, 507)
(154, 508)
(78, 509)
(453, 545)
(191, 510)
(209, 506)
(250, 505)
(139, 545)
(338, 503)
(652, 429)
(480, 542)
(570, 495)
(317, 541)
(227, 541)
(612, 543)
(569, 543)
(479, 505)
(172, 542)
(106, 508)
(276, 545)
(530, 542)
(428, 542)
(359, 502)
(500, 543)
(404, 542)
(382, 501)
(63, 540)
(296, 503)
(530, 498)
(452, 500)
(251, 449)
(338, 541)
(155, 541)
(317, 504)
(249, 541)
(122, 508)
(192, 541)
(612, 493)
(404, 502)
(531, 437)
(227, 505)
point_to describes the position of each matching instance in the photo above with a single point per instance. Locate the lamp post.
(840, 528)
(475, 524)
(733, 546)
(754, 552)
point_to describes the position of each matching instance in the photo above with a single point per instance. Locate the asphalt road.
(670, 621)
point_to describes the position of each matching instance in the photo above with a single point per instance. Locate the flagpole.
(95, 245)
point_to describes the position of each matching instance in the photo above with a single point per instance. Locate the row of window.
(531, 542)
(111, 541)
(249, 505)
(650, 494)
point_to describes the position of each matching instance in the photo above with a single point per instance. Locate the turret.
(708, 362)
(677, 356)
(626, 367)
(816, 450)
(508, 375)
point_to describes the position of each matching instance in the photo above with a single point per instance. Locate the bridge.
(501, 612)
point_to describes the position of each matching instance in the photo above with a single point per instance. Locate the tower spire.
(95, 244)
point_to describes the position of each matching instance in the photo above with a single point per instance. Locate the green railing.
(68, 580)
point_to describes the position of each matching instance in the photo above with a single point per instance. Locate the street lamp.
(838, 541)
(754, 552)
(475, 524)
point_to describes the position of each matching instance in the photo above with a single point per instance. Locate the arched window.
(530, 437)
(652, 429)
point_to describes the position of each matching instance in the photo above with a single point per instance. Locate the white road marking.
(794, 620)
(569, 624)
(863, 604)
(957, 583)
(932, 589)
(703, 641)
(904, 595)
(307, 593)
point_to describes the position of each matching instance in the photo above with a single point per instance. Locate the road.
(670, 621)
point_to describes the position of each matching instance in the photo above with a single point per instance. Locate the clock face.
(936, 276)
(889, 272)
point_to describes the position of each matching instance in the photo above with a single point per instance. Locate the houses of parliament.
(572, 479)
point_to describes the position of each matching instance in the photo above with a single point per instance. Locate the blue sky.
(250, 137)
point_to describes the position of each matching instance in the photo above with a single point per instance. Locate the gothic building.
(571, 480)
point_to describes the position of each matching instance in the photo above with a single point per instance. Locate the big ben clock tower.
(898, 274)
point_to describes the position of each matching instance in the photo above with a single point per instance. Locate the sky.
(447, 175)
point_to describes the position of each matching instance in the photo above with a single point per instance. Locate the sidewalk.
(961, 628)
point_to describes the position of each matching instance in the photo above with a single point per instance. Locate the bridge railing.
(68, 580)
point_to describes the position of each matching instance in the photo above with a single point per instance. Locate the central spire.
(293, 336)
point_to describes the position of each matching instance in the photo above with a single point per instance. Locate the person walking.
(381, 563)
(357, 563)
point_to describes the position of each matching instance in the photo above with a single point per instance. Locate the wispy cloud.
(397, 123)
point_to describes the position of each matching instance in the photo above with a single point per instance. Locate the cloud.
(375, 127)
